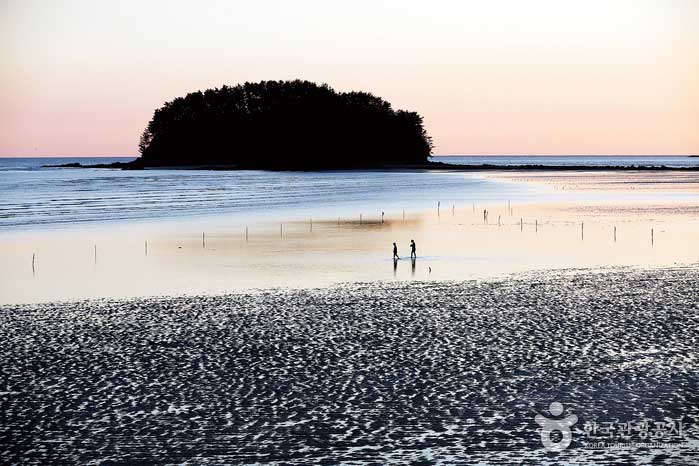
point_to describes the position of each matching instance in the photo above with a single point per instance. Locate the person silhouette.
(412, 249)
(395, 251)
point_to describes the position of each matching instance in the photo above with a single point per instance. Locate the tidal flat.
(382, 372)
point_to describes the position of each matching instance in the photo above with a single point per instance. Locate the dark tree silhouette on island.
(283, 125)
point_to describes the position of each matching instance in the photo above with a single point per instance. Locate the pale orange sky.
(81, 78)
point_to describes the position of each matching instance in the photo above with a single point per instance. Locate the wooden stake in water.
(509, 209)
(536, 226)
(615, 234)
(582, 231)
(498, 220)
(404, 215)
(452, 210)
(651, 237)
(521, 224)
(95, 254)
(438, 204)
(311, 225)
(146, 247)
(281, 230)
(33, 269)
(246, 234)
(360, 219)
(474, 207)
(382, 217)
(203, 240)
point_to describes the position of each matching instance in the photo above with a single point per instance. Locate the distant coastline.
(436, 162)
(424, 166)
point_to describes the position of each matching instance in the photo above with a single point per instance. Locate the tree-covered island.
(282, 125)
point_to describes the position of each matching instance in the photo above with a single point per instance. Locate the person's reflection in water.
(395, 266)
(412, 265)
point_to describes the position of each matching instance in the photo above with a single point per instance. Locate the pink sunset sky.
(82, 78)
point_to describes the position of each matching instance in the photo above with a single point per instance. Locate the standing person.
(395, 251)
(413, 254)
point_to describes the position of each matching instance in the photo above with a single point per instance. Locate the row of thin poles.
(281, 231)
(361, 222)
(536, 222)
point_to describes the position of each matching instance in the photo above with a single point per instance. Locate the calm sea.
(37, 197)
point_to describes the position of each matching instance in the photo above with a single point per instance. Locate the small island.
(296, 125)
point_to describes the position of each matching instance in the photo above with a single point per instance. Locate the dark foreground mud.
(386, 373)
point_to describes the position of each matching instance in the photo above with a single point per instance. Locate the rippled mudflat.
(384, 372)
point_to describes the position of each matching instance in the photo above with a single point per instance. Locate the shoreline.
(520, 276)
(408, 167)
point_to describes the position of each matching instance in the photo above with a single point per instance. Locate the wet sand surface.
(653, 181)
(452, 244)
(388, 372)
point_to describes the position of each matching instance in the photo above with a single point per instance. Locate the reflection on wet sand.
(225, 256)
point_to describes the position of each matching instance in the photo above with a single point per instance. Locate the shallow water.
(109, 233)
(34, 197)
(212, 255)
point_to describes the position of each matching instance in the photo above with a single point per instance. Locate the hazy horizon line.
(434, 155)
